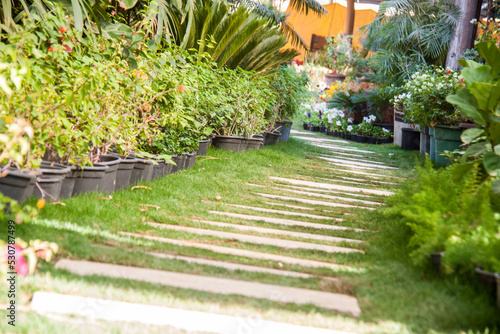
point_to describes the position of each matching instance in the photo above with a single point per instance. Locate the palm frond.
(304, 6)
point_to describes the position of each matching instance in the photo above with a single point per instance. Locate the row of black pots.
(283, 127)
(354, 137)
(240, 144)
(489, 281)
(54, 181)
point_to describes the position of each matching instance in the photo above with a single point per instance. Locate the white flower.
(473, 21)
(373, 117)
(349, 128)
(350, 120)
(385, 130)
(339, 123)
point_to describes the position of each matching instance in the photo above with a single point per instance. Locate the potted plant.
(425, 104)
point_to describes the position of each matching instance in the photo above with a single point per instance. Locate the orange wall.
(330, 24)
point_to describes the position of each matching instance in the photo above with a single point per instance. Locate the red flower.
(150, 118)
(95, 159)
(51, 49)
(181, 88)
(67, 48)
(448, 72)
(62, 30)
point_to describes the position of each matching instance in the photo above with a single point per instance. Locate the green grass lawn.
(395, 297)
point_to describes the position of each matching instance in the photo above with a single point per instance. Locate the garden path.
(306, 228)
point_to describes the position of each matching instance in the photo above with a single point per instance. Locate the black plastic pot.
(203, 148)
(436, 260)
(17, 185)
(88, 178)
(425, 140)
(371, 140)
(489, 282)
(143, 171)
(410, 140)
(190, 160)
(271, 138)
(313, 128)
(305, 126)
(109, 181)
(284, 128)
(50, 171)
(167, 169)
(384, 140)
(322, 129)
(158, 169)
(347, 136)
(362, 138)
(179, 163)
(231, 143)
(342, 135)
(68, 183)
(336, 133)
(124, 172)
(51, 187)
(255, 143)
(354, 137)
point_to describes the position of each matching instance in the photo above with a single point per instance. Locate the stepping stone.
(282, 294)
(322, 140)
(358, 183)
(266, 230)
(48, 303)
(346, 154)
(281, 243)
(313, 202)
(290, 206)
(234, 266)
(303, 133)
(241, 252)
(321, 190)
(350, 159)
(363, 180)
(346, 199)
(288, 213)
(283, 221)
(378, 176)
(303, 207)
(333, 148)
(356, 163)
(333, 186)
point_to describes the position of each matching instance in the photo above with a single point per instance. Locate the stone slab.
(233, 266)
(358, 163)
(282, 294)
(46, 303)
(333, 186)
(313, 202)
(241, 252)
(287, 213)
(322, 140)
(334, 148)
(257, 240)
(350, 159)
(281, 185)
(282, 221)
(339, 198)
(298, 207)
(286, 233)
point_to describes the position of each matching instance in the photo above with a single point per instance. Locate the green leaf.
(132, 63)
(495, 186)
(486, 94)
(491, 163)
(468, 104)
(152, 45)
(481, 73)
(475, 150)
(491, 54)
(471, 134)
(127, 4)
(460, 170)
(116, 30)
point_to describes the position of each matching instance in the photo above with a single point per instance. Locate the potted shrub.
(425, 104)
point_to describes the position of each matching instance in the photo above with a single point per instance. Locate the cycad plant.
(409, 33)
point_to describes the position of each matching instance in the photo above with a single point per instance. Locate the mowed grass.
(395, 297)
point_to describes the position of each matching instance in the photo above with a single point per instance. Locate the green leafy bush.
(290, 88)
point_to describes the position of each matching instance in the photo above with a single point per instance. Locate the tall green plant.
(480, 100)
(409, 33)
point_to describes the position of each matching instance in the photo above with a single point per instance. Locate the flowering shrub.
(424, 99)
(26, 255)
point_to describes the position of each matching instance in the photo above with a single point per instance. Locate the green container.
(447, 138)
(432, 152)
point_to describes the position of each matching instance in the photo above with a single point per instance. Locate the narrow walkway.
(301, 224)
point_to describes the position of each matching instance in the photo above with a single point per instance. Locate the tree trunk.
(349, 18)
(465, 32)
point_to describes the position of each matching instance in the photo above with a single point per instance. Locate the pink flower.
(150, 118)
(113, 12)
(67, 48)
(22, 267)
